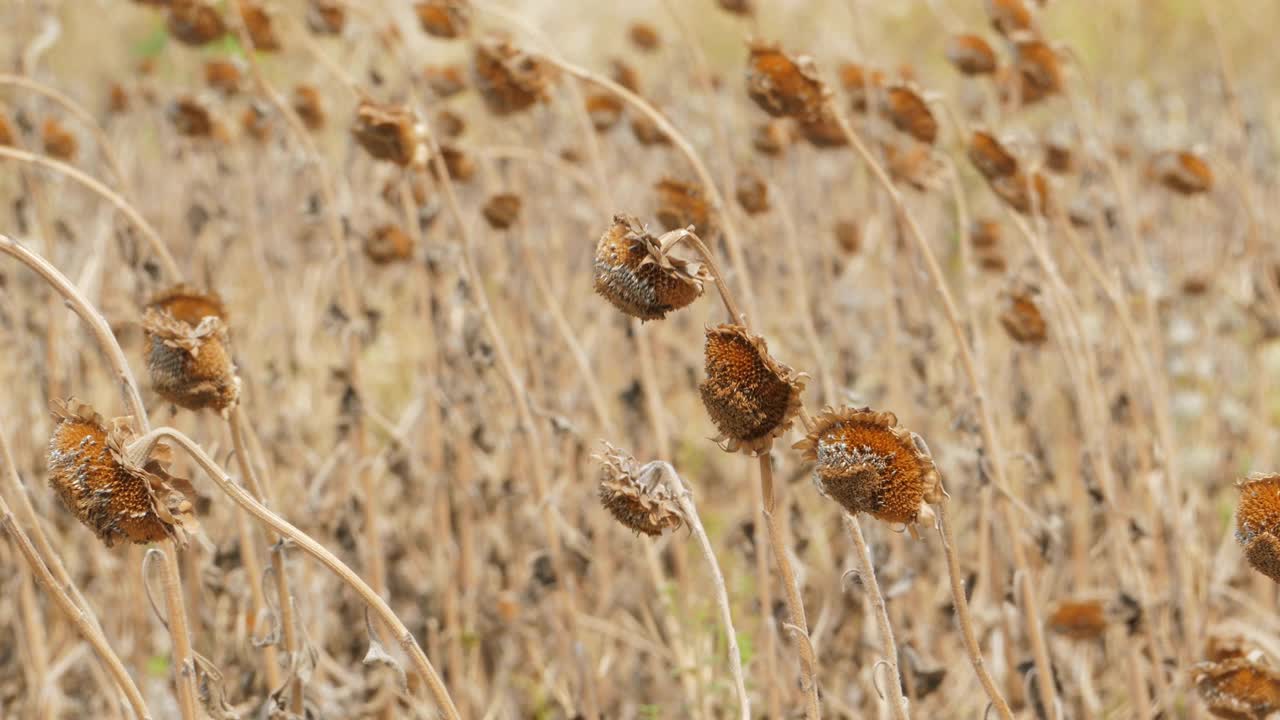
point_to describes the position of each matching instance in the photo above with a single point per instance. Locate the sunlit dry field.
(668, 359)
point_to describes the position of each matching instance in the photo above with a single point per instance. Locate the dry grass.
(372, 464)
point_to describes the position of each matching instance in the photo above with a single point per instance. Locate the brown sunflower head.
(822, 130)
(681, 204)
(509, 79)
(7, 135)
(1038, 70)
(195, 22)
(1022, 319)
(625, 75)
(1182, 172)
(752, 192)
(116, 497)
(457, 163)
(117, 102)
(387, 132)
(307, 104)
(388, 244)
(860, 83)
(502, 210)
(781, 85)
(772, 137)
(326, 17)
(990, 157)
(255, 121)
(1008, 16)
(750, 397)
(647, 132)
(192, 118)
(634, 274)
(58, 142)
(604, 110)
(865, 462)
(1258, 523)
(223, 76)
(189, 351)
(1079, 619)
(644, 36)
(257, 21)
(1240, 687)
(637, 495)
(444, 18)
(910, 113)
(970, 54)
(745, 8)
(1024, 193)
(445, 80)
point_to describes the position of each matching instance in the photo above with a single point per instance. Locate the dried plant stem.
(185, 675)
(84, 116)
(44, 703)
(722, 594)
(888, 648)
(279, 571)
(791, 591)
(965, 620)
(726, 295)
(990, 440)
(170, 266)
(142, 447)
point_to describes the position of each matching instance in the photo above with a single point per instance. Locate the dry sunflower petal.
(636, 495)
(111, 494)
(781, 85)
(637, 277)
(750, 397)
(866, 462)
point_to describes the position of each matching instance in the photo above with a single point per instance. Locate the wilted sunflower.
(189, 350)
(114, 496)
(223, 75)
(1079, 619)
(822, 131)
(191, 118)
(910, 113)
(681, 204)
(971, 55)
(644, 36)
(604, 110)
(388, 244)
(509, 79)
(637, 277)
(58, 142)
(457, 163)
(1238, 688)
(1022, 318)
(194, 22)
(7, 135)
(257, 22)
(636, 495)
(738, 7)
(444, 18)
(990, 157)
(326, 17)
(752, 192)
(1258, 523)
(1024, 194)
(387, 132)
(772, 137)
(445, 80)
(750, 397)
(1181, 171)
(1039, 70)
(502, 210)
(860, 83)
(781, 85)
(867, 463)
(1008, 16)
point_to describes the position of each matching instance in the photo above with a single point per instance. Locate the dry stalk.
(888, 648)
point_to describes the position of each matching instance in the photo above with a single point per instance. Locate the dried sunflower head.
(909, 112)
(1024, 193)
(644, 36)
(1022, 318)
(444, 18)
(457, 163)
(1079, 619)
(971, 55)
(7, 134)
(750, 397)
(822, 131)
(58, 141)
(1038, 68)
(1181, 171)
(752, 192)
(509, 79)
(388, 244)
(1258, 523)
(116, 497)
(326, 17)
(681, 204)
(387, 132)
(860, 83)
(194, 22)
(604, 109)
(258, 24)
(636, 495)
(744, 8)
(1008, 16)
(256, 121)
(445, 80)
(307, 104)
(192, 118)
(502, 210)
(781, 85)
(772, 137)
(990, 157)
(224, 76)
(1238, 688)
(865, 462)
(189, 350)
(634, 274)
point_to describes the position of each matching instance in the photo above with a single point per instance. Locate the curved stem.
(791, 591)
(961, 603)
(722, 594)
(142, 447)
(735, 316)
(889, 648)
(106, 193)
